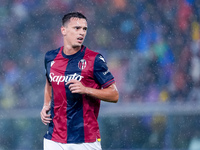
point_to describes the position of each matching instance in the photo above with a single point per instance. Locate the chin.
(76, 45)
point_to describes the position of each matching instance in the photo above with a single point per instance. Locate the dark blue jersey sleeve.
(102, 74)
(49, 60)
(46, 68)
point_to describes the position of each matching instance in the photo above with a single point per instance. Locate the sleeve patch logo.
(52, 62)
(82, 64)
(102, 59)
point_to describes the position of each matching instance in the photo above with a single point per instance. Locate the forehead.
(77, 22)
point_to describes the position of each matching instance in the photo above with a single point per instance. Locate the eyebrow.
(79, 27)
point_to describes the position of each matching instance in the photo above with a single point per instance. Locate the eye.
(77, 28)
(85, 29)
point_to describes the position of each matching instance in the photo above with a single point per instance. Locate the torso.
(74, 115)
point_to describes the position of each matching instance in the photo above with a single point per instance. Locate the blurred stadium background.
(152, 48)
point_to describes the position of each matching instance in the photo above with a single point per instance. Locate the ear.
(63, 30)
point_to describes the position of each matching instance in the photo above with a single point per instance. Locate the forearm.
(109, 94)
(47, 94)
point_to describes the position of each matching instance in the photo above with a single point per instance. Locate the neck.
(69, 50)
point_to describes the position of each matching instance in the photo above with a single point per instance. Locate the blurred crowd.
(152, 47)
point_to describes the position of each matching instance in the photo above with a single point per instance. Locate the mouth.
(80, 39)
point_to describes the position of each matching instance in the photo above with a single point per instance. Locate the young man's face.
(74, 32)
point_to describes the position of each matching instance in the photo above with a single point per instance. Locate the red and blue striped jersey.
(74, 116)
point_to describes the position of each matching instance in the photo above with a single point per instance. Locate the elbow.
(115, 101)
(115, 94)
(116, 98)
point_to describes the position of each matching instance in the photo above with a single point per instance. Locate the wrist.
(46, 105)
(87, 91)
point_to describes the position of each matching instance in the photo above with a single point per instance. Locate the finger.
(72, 81)
(75, 89)
(45, 115)
(43, 121)
(46, 120)
(73, 86)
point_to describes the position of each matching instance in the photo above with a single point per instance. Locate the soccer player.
(77, 78)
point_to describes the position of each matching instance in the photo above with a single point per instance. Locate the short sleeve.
(102, 74)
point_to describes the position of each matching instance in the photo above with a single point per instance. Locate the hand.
(76, 86)
(45, 117)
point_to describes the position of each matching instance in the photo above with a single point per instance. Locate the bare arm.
(47, 94)
(109, 94)
(45, 117)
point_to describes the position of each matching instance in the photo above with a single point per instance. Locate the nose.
(82, 32)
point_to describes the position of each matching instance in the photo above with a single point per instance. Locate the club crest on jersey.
(82, 64)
